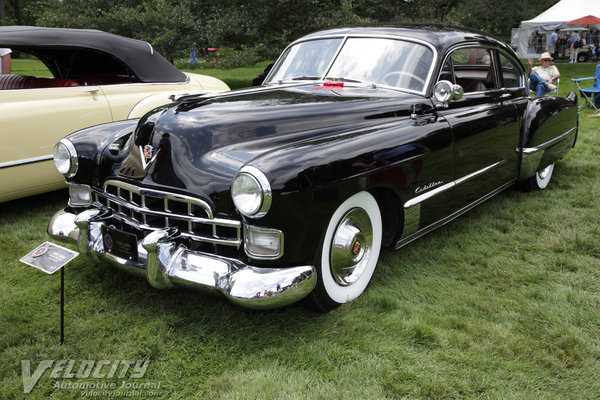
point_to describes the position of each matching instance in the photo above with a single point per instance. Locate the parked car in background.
(359, 138)
(564, 49)
(97, 77)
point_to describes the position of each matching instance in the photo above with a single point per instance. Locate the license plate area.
(119, 243)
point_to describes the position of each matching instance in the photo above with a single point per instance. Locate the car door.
(33, 120)
(485, 125)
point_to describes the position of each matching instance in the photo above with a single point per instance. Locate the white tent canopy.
(551, 19)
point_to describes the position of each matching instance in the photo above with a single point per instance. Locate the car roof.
(440, 36)
(140, 58)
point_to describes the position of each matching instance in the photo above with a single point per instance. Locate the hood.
(198, 145)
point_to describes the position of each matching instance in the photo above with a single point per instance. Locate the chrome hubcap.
(543, 174)
(351, 247)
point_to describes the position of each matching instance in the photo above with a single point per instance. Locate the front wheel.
(349, 252)
(539, 181)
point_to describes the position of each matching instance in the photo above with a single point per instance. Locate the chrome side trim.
(544, 146)
(412, 208)
(409, 238)
(531, 157)
(425, 196)
(26, 161)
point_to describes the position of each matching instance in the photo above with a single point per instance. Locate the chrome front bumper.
(167, 264)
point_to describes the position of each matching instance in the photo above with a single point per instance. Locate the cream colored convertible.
(98, 77)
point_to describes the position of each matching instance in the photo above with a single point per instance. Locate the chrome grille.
(150, 209)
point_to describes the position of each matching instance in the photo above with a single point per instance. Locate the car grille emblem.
(148, 151)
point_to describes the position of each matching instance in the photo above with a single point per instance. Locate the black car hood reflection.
(200, 144)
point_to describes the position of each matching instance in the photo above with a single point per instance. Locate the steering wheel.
(399, 73)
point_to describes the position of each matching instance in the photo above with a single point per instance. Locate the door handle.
(505, 96)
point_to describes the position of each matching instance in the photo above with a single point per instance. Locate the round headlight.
(251, 192)
(65, 158)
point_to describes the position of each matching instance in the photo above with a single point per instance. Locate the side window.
(28, 64)
(447, 73)
(473, 69)
(510, 72)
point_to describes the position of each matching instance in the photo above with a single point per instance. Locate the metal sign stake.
(49, 258)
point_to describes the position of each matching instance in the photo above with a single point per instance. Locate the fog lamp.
(80, 195)
(263, 243)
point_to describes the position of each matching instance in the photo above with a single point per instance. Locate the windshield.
(380, 61)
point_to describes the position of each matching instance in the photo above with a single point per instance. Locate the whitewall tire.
(539, 181)
(349, 252)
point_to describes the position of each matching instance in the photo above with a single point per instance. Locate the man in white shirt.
(5, 62)
(541, 78)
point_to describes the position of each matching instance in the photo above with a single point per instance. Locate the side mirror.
(445, 91)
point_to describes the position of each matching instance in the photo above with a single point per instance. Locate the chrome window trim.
(493, 65)
(345, 38)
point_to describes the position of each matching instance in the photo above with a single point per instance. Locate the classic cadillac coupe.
(360, 138)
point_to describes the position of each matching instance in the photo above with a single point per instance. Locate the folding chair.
(550, 93)
(591, 95)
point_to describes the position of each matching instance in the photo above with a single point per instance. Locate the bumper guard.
(167, 264)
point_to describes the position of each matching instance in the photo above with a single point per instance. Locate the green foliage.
(497, 16)
(257, 30)
(169, 25)
(267, 26)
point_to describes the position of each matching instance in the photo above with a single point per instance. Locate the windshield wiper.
(306, 78)
(342, 79)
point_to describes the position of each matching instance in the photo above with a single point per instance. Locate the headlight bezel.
(71, 163)
(262, 204)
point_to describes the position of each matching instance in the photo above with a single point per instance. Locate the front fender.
(92, 145)
(311, 179)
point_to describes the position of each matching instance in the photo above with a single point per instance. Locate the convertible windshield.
(381, 61)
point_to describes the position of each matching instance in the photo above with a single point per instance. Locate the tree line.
(260, 27)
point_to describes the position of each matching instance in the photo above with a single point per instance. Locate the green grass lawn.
(502, 303)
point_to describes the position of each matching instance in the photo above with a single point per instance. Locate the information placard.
(49, 257)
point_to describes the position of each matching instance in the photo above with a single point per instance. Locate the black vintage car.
(360, 138)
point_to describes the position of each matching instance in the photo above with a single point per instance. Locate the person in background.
(574, 46)
(553, 42)
(541, 78)
(5, 61)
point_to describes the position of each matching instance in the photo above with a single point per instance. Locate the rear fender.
(549, 131)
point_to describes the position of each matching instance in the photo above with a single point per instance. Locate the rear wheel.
(539, 181)
(349, 252)
(582, 57)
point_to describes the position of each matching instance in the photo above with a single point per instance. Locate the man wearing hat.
(541, 78)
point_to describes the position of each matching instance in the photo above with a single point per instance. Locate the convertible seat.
(9, 82)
